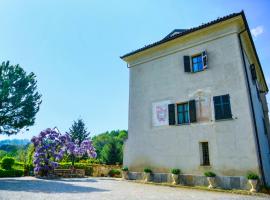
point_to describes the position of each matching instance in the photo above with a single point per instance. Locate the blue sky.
(74, 46)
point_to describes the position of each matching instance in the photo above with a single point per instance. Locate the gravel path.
(29, 188)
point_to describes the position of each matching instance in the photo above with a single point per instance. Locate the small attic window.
(175, 32)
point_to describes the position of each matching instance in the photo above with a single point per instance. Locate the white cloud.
(257, 31)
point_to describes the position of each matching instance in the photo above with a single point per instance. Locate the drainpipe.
(252, 109)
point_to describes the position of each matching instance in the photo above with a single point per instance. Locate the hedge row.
(11, 173)
(88, 168)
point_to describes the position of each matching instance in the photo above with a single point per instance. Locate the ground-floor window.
(204, 151)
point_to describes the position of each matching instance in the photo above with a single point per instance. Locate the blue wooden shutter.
(192, 111)
(218, 107)
(187, 64)
(222, 107)
(171, 109)
(226, 106)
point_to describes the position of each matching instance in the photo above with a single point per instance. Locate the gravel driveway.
(28, 188)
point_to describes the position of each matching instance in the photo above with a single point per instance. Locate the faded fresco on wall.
(160, 113)
(203, 105)
(203, 108)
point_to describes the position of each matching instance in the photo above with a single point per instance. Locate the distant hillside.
(17, 142)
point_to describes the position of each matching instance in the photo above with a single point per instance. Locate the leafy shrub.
(11, 173)
(18, 172)
(7, 163)
(210, 174)
(64, 165)
(93, 161)
(175, 171)
(114, 172)
(147, 170)
(90, 161)
(125, 169)
(252, 176)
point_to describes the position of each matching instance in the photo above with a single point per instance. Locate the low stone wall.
(103, 170)
(225, 182)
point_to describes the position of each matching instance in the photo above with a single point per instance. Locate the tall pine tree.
(19, 99)
(78, 131)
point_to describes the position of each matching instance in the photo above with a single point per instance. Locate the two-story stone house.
(197, 102)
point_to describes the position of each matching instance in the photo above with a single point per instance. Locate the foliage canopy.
(109, 146)
(19, 99)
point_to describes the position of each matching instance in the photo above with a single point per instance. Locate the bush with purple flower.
(74, 150)
(50, 147)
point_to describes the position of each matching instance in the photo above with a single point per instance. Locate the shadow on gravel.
(46, 186)
(108, 179)
(86, 180)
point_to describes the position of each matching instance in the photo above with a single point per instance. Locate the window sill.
(198, 71)
(205, 167)
(227, 119)
(182, 124)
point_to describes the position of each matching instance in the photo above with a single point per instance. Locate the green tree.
(30, 154)
(122, 136)
(109, 146)
(99, 141)
(2, 154)
(19, 99)
(10, 149)
(21, 154)
(111, 153)
(78, 131)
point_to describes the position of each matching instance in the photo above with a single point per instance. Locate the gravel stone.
(30, 188)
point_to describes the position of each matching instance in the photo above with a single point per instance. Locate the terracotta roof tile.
(184, 32)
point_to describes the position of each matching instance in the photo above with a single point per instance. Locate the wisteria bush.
(50, 147)
(75, 150)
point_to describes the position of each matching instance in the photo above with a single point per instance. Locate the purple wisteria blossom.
(50, 147)
(76, 150)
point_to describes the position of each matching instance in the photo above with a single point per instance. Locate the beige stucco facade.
(157, 74)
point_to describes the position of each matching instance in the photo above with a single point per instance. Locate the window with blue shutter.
(196, 63)
(199, 62)
(183, 113)
(222, 107)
